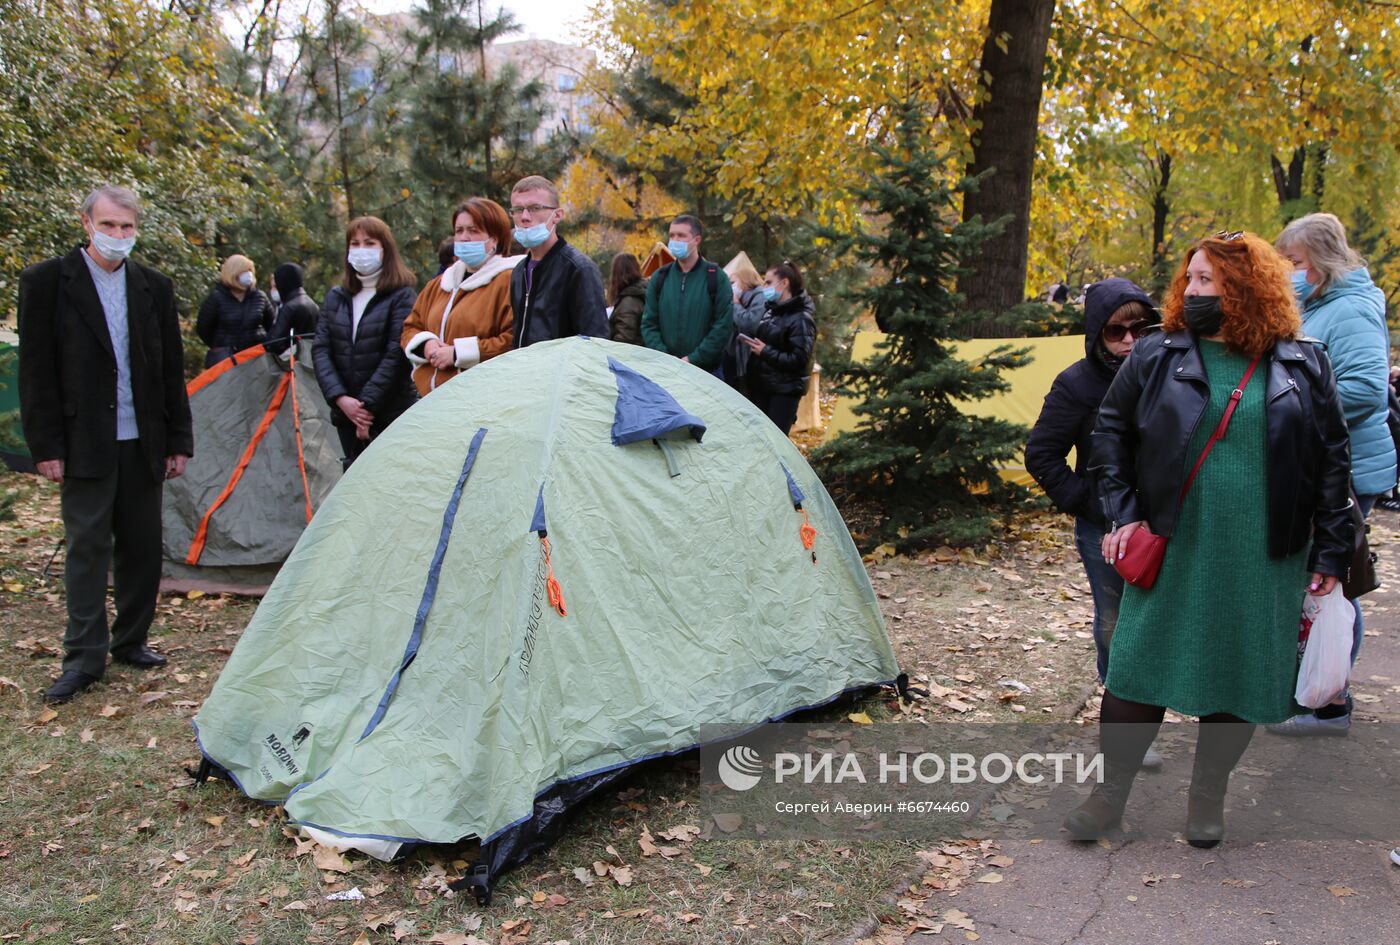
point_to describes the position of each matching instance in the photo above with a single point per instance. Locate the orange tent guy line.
(296, 426)
(212, 374)
(200, 535)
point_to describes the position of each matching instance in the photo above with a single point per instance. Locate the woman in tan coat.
(463, 317)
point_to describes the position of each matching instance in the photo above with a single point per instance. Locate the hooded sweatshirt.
(1072, 406)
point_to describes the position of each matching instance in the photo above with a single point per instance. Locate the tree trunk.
(1161, 267)
(342, 145)
(1288, 182)
(1007, 118)
(481, 55)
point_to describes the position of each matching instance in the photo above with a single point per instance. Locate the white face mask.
(365, 259)
(111, 248)
(276, 296)
(245, 279)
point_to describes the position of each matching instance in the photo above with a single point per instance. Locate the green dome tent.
(265, 457)
(564, 562)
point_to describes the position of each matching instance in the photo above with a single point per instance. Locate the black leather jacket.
(1139, 457)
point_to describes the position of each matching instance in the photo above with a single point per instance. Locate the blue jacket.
(1350, 319)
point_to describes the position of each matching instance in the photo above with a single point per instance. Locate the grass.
(104, 839)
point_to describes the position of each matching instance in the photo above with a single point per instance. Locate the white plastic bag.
(1325, 639)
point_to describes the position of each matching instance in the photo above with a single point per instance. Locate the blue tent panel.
(646, 411)
(794, 489)
(537, 523)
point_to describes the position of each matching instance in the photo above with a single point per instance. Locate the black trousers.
(780, 408)
(112, 521)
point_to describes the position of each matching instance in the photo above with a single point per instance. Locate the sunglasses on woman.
(1116, 333)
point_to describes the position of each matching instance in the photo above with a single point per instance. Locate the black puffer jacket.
(1139, 457)
(790, 332)
(227, 322)
(371, 367)
(1072, 406)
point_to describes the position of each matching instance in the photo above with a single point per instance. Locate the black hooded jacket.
(1072, 406)
(298, 312)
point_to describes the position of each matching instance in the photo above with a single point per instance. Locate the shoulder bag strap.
(1219, 433)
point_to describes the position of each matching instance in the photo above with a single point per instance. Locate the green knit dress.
(1218, 632)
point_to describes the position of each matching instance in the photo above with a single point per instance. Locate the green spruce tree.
(927, 468)
(470, 130)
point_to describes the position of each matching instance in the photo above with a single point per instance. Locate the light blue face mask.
(1301, 287)
(471, 252)
(111, 248)
(770, 294)
(532, 236)
(679, 248)
(365, 259)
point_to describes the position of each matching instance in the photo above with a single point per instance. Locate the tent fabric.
(1020, 404)
(537, 524)
(14, 452)
(794, 489)
(201, 534)
(420, 617)
(692, 602)
(645, 411)
(231, 520)
(658, 257)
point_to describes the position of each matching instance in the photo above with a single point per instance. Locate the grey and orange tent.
(265, 457)
(13, 451)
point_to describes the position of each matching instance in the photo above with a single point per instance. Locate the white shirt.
(111, 292)
(360, 301)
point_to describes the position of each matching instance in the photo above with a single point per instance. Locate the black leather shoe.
(69, 685)
(140, 656)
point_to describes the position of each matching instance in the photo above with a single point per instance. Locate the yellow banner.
(1021, 404)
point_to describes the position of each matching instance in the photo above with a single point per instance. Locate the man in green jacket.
(690, 306)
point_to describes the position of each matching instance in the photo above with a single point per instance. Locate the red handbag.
(1141, 560)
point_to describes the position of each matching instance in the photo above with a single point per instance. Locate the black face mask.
(1202, 313)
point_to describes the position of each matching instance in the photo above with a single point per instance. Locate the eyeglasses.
(1229, 236)
(533, 210)
(1116, 333)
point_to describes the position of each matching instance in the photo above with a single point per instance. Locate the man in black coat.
(555, 291)
(105, 414)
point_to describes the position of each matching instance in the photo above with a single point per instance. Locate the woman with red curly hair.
(1264, 519)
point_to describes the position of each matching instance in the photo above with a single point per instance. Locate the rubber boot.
(1102, 811)
(1205, 805)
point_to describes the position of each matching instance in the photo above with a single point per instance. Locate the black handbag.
(1361, 575)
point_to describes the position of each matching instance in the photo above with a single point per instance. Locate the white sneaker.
(1153, 759)
(1395, 856)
